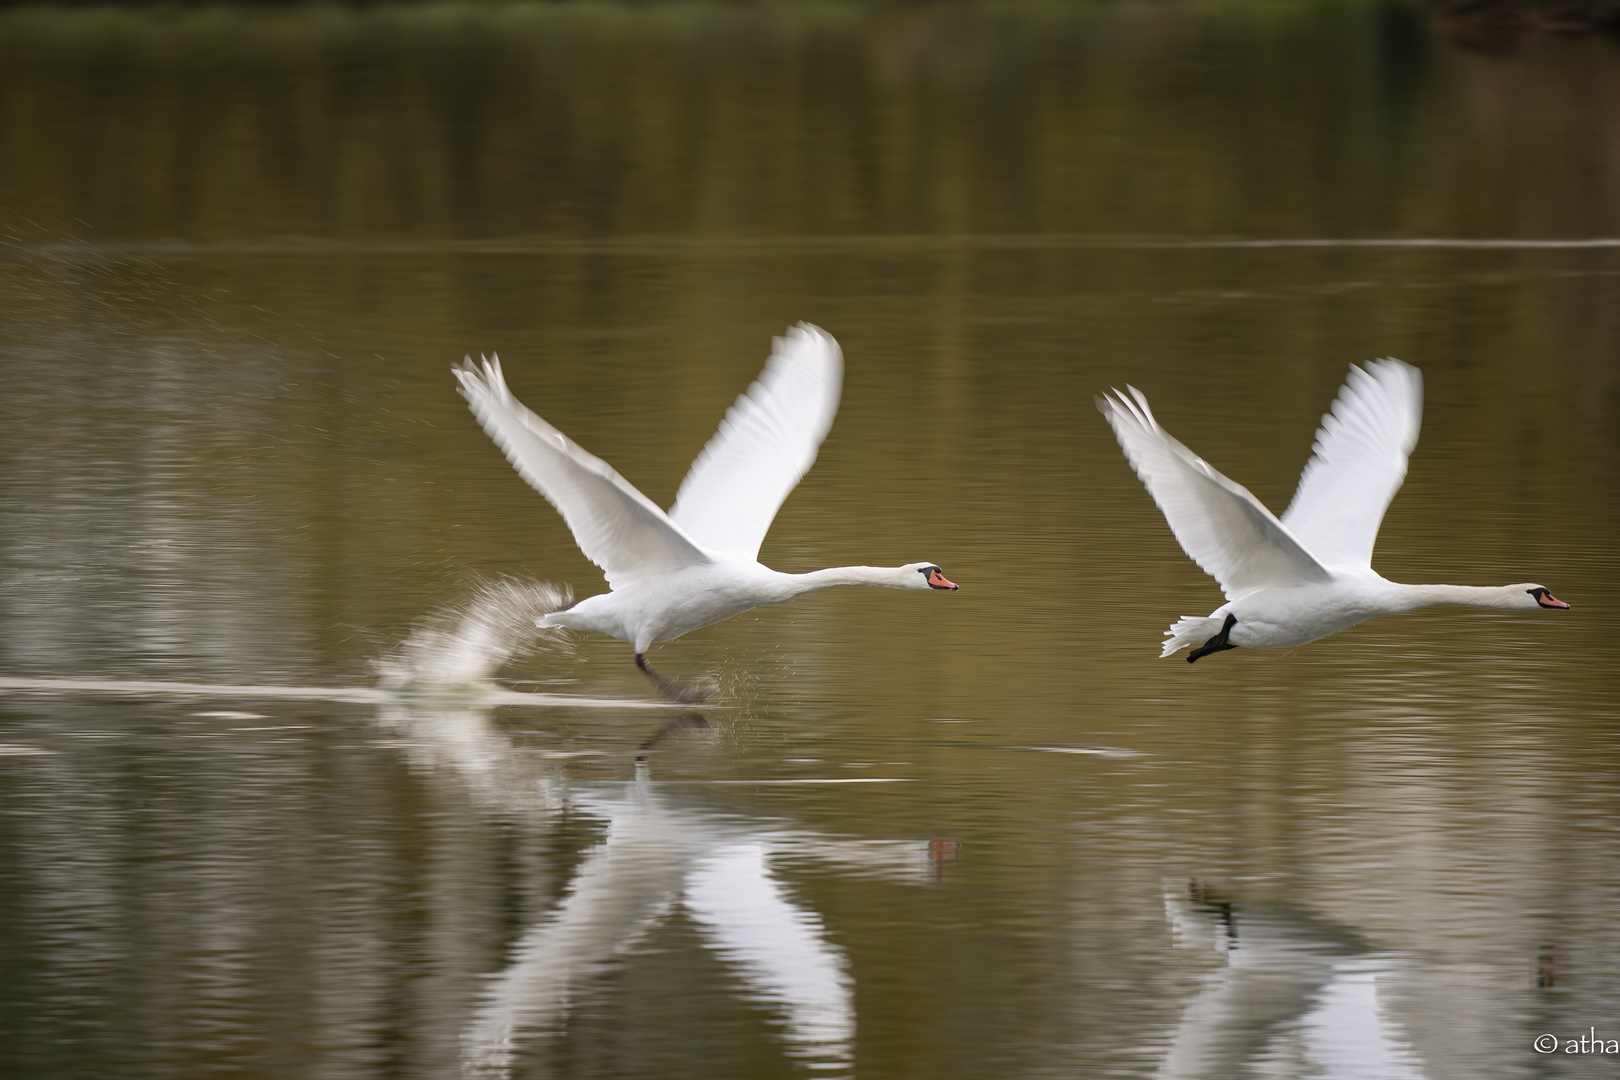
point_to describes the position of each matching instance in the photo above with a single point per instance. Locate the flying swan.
(669, 574)
(1310, 574)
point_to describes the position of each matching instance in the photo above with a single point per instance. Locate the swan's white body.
(673, 573)
(1309, 574)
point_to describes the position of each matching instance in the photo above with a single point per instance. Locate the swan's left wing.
(617, 527)
(767, 441)
(1359, 463)
(1221, 526)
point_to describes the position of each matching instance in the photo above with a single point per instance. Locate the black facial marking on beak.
(1548, 600)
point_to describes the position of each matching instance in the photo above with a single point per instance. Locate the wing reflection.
(658, 857)
(778, 947)
(630, 881)
(1298, 996)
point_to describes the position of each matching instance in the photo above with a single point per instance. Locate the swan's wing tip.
(806, 334)
(1388, 369)
(1142, 404)
(1115, 405)
(1393, 362)
(469, 380)
(1389, 380)
(484, 377)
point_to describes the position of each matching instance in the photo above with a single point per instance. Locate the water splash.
(462, 645)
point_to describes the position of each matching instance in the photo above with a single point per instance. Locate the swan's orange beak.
(1547, 599)
(938, 580)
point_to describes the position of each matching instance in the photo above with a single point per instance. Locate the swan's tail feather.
(1190, 630)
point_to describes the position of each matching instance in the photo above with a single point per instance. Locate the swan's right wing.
(767, 441)
(1221, 527)
(779, 948)
(1359, 462)
(617, 527)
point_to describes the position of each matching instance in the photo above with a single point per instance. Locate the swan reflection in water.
(1297, 996)
(660, 854)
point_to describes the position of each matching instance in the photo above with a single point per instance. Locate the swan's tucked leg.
(669, 687)
(1216, 644)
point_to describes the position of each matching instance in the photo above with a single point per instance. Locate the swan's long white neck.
(890, 577)
(1504, 597)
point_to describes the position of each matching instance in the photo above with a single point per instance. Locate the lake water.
(984, 834)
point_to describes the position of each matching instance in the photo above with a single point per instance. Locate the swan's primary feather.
(1220, 525)
(617, 527)
(1358, 464)
(767, 441)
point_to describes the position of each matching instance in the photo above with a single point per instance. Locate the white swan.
(1309, 575)
(698, 564)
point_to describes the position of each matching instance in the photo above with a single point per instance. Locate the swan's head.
(1538, 596)
(925, 575)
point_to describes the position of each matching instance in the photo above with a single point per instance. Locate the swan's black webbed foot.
(1216, 644)
(681, 695)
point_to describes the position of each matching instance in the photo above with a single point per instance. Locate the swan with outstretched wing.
(1294, 580)
(669, 574)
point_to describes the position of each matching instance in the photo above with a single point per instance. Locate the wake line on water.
(452, 653)
(364, 694)
(368, 695)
